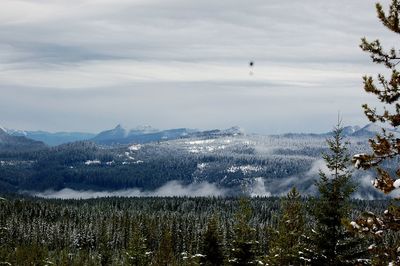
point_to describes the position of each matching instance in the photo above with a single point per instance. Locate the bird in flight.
(251, 64)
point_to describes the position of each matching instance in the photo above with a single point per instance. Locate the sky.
(88, 65)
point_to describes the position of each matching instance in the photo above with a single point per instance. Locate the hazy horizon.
(170, 128)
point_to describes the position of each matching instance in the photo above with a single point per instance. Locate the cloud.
(167, 56)
(266, 187)
(305, 183)
(170, 189)
(317, 166)
(258, 188)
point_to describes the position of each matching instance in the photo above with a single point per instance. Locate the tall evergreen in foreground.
(286, 245)
(243, 246)
(165, 253)
(4, 241)
(212, 245)
(385, 146)
(330, 243)
(137, 253)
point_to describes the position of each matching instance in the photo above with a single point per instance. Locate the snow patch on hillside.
(245, 169)
(90, 162)
(200, 142)
(135, 147)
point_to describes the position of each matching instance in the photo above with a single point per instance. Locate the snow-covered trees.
(243, 246)
(212, 245)
(123, 231)
(286, 244)
(137, 253)
(329, 243)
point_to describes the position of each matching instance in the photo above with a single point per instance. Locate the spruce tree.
(4, 240)
(286, 245)
(385, 146)
(105, 251)
(212, 245)
(330, 242)
(165, 254)
(243, 246)
(137, 253)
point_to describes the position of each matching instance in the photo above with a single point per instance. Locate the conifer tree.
(243, 246)
(212, 245)
(136, 252)
(286, 245)
(385, 146)
(104, 247)
(4, 241)
(165, 253)
(331, 243)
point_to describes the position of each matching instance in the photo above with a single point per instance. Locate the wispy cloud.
(305, 183)
(170, 189)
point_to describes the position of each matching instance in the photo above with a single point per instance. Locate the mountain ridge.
(18, 143)
(229, 159)
(119, 135)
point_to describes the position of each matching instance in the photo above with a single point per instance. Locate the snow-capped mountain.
(16, 143)
(120, 135)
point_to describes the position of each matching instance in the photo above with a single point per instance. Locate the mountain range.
(146, 134)
(147, 159)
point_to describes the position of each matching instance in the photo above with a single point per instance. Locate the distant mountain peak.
(349, 130)
(235, 130)
(119, 126)
(14, 143)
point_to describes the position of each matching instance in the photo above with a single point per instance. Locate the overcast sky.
(88, 65)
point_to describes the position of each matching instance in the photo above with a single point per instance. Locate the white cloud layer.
(170, 189)
(179, 59)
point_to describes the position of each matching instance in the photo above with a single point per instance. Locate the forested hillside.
(254, 164)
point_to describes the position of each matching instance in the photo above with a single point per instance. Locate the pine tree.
(4, 240)
(286, 245)
(165, 253)
(212, 245)
(331, 243)
(104, 247)
(243, 246)
(137, 253)
(385, 146)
